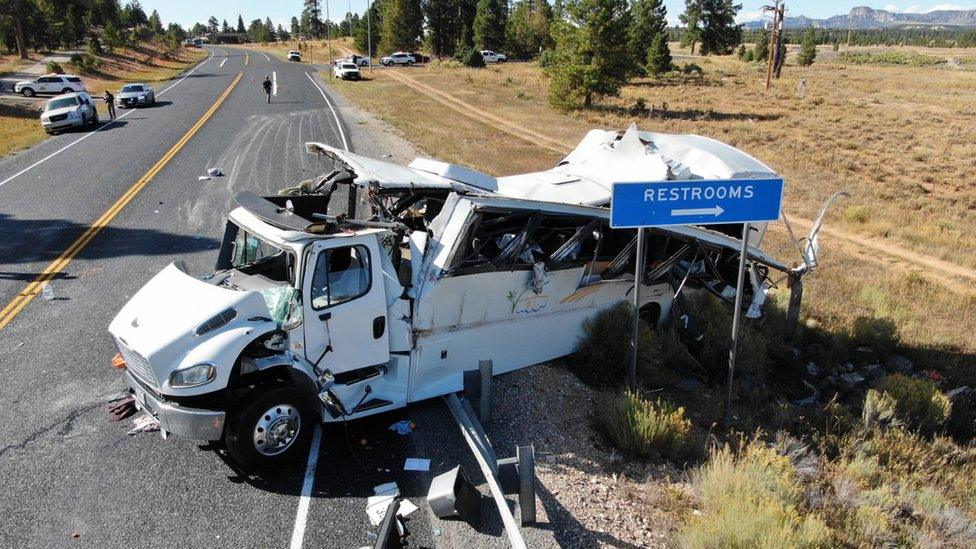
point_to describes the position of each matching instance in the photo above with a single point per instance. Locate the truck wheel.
(67, 90)
(272, 428)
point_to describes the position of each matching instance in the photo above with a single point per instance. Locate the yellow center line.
(30, 292)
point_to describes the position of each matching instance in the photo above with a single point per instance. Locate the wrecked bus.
(311, 317)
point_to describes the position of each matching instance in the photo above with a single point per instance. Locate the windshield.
(249, 249)
(349, 66)
(131, 88)
(61, 103)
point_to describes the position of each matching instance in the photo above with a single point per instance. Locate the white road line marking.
(298, 533)
(266, 56)
(223, 51)
(342, 134)
(222, 62)
(274, 83)
(96, 130)
(301, 516)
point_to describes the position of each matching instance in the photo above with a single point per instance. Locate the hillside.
(863, 17)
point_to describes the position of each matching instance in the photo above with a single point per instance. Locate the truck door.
(345, 305)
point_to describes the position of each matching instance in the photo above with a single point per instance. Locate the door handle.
(325, 316)
(379, 327)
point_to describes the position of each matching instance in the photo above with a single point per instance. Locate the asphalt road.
(72, 477)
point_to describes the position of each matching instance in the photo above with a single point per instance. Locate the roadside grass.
(19, 129)
(645, 428)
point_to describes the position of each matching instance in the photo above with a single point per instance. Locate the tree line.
(59, 24)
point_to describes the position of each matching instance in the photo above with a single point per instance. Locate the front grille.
(137, 364)
(59, 117)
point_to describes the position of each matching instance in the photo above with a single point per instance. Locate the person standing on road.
(110, 101)
(267, 87)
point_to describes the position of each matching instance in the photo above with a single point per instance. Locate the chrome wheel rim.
(277, 429)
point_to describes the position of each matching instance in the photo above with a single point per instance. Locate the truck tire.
(272, 427)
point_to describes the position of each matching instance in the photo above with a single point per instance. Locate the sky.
(188, 12)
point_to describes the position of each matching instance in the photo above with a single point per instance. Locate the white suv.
(345, 70)
(294, 55)
(493, 57)
(54, 83)
(398, 58)
(72, 110)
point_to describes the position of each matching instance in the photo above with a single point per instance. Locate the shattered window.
(341, 274)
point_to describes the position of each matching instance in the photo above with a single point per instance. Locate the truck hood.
(162, 324)
(131, 95)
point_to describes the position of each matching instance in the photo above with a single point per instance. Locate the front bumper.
(126, 103)
(192, 423)
(61, 124)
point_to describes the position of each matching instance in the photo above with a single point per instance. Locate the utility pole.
(328, 31)
(777, 10)
(369, 36)
(847, 51)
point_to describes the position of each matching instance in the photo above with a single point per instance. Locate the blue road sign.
(695, 202)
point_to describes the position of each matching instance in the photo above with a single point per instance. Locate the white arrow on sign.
(715, 210)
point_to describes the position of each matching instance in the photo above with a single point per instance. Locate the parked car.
(71, 110)
(398, 58)
(493, 57)
(359, 60)
(52, 83)
(419, 57)
(294, 55)
(135, 95)
(344, 70)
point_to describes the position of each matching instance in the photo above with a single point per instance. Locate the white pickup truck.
(309, 317)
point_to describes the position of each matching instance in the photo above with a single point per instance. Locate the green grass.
(644, 428)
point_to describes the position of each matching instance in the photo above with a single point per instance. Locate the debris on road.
(377, 505)
(144, 424)
(203, 178)
(47, 292)
(214, 172)
(416, 464)
(122, 408)
(402, 427)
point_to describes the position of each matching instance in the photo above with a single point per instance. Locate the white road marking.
(301, 517)
(298, 533)
(342, 134)
(222, 62)
(266, 56)
(274, 83)
(98, 129)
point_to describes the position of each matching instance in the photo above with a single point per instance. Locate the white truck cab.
(309, 317)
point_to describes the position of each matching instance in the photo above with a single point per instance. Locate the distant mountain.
(866, 18)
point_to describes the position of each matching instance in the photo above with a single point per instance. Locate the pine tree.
(489, 24)
(401, 28)
(761, 51)
(719, 33)
(442, 22)
(155, 24)
(212, 24)
(240, 24)
(691, 18)
(808, 49)
(527, 32)
(312, 19)
(364, 41)
(659, 55)
(269, 30)
(649, 21)
(591, 56)
(295, 28)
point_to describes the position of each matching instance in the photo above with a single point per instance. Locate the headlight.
(73, 114)
(194, 376)
(142, 97)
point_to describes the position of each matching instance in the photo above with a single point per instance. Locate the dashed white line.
(222, 62)
(342, 134)
(298, 532)
(266, 56)
(274, 83)
(100, 128)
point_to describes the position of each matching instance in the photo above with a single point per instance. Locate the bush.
(545, 58)
(751, 499)
(53, 67)
(856, 214)
(692, 68)
(603, 355)
(642, 427)
(94, 46)
(469, 57)
(880, 410)
(918, 404)
(84, 62)
(715, 321)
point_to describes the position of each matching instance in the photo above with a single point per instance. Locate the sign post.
(694, 202)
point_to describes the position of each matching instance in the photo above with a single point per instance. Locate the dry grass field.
(901, 139)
